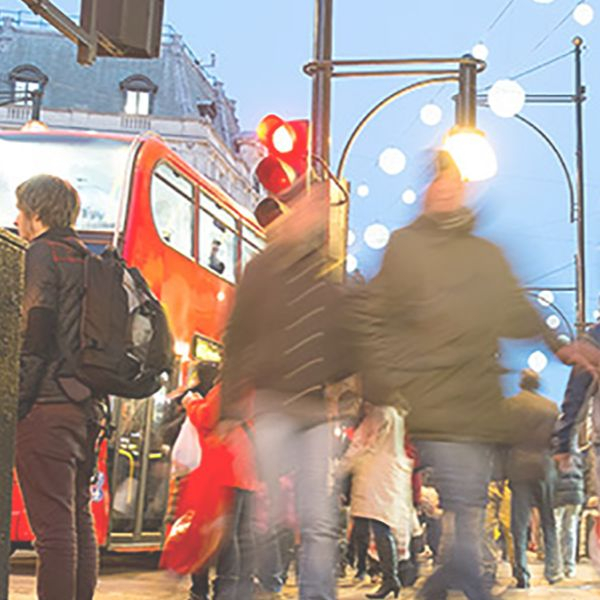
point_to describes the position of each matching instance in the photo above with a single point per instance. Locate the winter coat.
(282, 333)
(428, 328)
(381, 473)
(570, 484)
(534, 417)
(238, 444)
(52, 306)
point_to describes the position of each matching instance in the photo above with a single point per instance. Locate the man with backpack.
(58, 417)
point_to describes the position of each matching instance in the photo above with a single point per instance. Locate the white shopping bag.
(187, 452)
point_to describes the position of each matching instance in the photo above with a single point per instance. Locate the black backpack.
(125, 341)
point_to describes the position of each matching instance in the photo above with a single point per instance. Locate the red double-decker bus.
(191, 243)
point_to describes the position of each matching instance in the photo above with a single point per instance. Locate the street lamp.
(467, 145)
(576, 188)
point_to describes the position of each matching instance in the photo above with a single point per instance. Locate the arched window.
(138, 95)
(25, 80)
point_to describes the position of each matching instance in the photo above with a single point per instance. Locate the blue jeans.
(461, 473)
(235, 563)
(567, 524)
(526, 495)
(283, 446)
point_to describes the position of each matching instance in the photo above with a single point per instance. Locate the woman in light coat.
(381, 496)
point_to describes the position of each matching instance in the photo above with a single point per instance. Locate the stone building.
(174, 95)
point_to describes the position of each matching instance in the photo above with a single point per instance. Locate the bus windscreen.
(95, 166)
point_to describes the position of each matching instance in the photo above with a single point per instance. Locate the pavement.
(134, 577)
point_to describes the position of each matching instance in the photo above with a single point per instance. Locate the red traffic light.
(287, 144)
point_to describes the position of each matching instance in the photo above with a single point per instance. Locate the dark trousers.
(386, 547)
(235, 565)
(55, 462)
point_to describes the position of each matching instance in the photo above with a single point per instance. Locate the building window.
(26, 80)
(138, 95)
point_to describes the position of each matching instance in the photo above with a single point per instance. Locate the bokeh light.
(392, 161)
(351, 263)
(376, 236)
(583, 14)
(480, 51)
(545, 298)
(431, 114)
(537, 361)
(506, 98)
(409, 196)
(362, 190)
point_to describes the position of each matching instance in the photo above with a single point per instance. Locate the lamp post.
(575, 188)
(459, 142)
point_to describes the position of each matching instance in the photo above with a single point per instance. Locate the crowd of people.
(420, 456)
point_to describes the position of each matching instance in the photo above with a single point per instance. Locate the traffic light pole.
(579, 99)
(321, 96)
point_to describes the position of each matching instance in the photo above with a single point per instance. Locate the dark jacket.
(570, 485)
(534, 418)
(579, 391)
(429, 326)
(281, 335)
(51, 316)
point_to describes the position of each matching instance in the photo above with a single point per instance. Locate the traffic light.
(287, 146)
(133, 26)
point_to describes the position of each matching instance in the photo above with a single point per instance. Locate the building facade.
(174, 96)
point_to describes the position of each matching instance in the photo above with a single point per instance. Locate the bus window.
(173, 208)
(252, 244)
(94, 166)
(217, 239)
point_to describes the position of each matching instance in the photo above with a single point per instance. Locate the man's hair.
(530, 380)
(52, 199)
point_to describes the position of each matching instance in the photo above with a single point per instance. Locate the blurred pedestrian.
(569, 498)
(428, 328)
(381, 496)
(235, 560)
(281, 340)
(532, 479)
(58, 416)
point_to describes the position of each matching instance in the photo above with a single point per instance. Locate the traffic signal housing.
(287, 146)
(133, 26)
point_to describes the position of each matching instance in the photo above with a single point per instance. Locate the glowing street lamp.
(472, 153)
(467, 145)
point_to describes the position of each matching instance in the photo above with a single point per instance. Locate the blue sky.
(262, 45)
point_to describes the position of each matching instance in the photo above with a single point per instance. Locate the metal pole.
(579, 182)
(378, 107)
(466, 105)
(321, 96)
(12, 255)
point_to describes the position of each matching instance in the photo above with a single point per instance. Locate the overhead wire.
(555, 28)
(499, 16)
